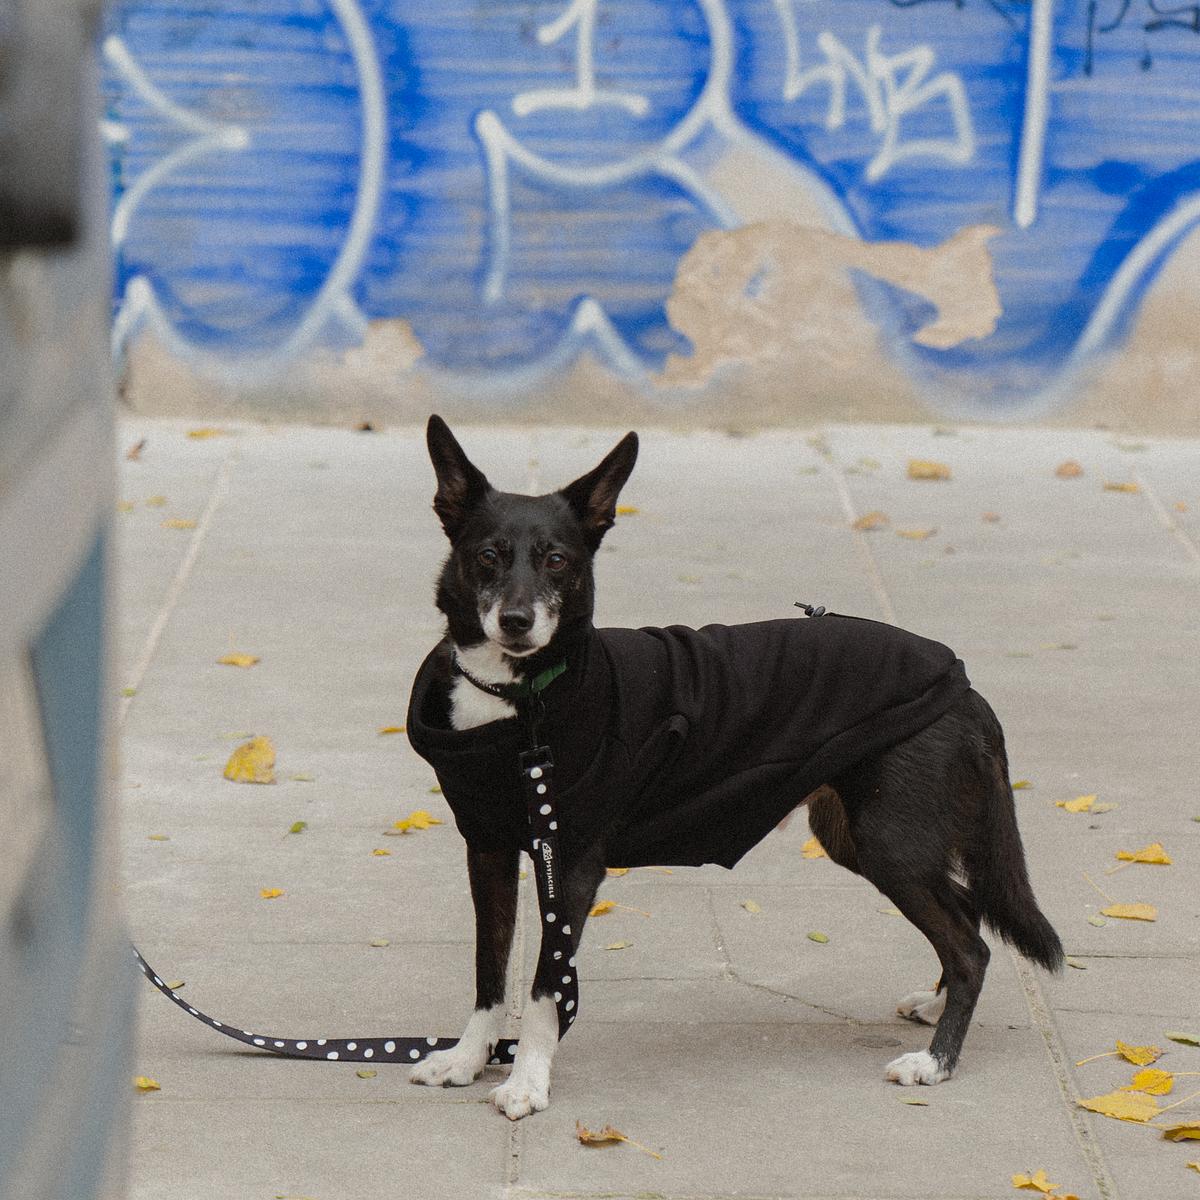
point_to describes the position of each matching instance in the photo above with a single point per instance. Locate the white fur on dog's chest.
(470, 706)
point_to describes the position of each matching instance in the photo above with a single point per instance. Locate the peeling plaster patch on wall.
(758, 291)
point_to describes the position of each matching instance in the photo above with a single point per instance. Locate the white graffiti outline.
(582, 15)
(1032, 151)
(503, 150)
(140, 306)
(892, 85)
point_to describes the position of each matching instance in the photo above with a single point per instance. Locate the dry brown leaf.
(1183, 1131)
(252, 762)
(1181, 507)
(1109, 486)
(924, 468)
(144, 1083)
(1078, 805)
(872, 520)
(1123, 1106)
(991, 518)
(1037, 1182)
(1132, 912)
(813, 849)
(1152, 1081)
(916, 535)
(607, 1136)
(1154, 853)
(270, 893)
(1068, 470)
(134, 453)
(239, 660)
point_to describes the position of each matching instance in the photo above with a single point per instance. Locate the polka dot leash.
(556, 960)
(372, 1049)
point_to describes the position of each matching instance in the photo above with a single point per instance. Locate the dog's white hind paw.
(521, 1095)
(926, 1007)
(448, 1068)
(918, 1067)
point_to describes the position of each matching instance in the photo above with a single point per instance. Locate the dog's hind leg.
(493, 877)
(527, 1088)
(895, 808)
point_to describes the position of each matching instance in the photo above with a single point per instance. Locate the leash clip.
(810, 610)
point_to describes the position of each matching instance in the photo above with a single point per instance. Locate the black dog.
(682, 747)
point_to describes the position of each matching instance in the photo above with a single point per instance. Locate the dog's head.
(520, 567)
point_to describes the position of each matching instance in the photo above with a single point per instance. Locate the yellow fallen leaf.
(627, 510)
(601, 907)
(924, 468)
(1140, 1056)
(872, 520)
(1078, 805)
(751, 906)
(1121, 487)
(617, 946)
(1195, 1166)
(1037, 1182)
(144, 1083)
(615, 872)
(381, 853)
(206, 431)
(239, 660)
(297, 827)
(386, 729)
(608, 1135)
(366, 1073)
(1154, 853)
(1068, 470)
(178, 523)
(1152, 1081)
(270, 893)
(125, 506)
(156, 501)
(379, 943)
(815, 935)
(915, 535)
(175, 984)
(252, 762)
(1132, 912)
(1184, 1131)
(418, 819)
(1123, 1106)
(158, 837)
(813, 849)
(1180, 506)
(1019, 785)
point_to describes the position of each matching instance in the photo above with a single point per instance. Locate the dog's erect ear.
(594, 496)
(461, 484)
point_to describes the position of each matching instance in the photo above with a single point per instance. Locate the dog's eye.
(555, 561)
(488, 557)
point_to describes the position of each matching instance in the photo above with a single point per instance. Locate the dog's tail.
(995, 863)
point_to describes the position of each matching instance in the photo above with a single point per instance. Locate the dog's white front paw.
(524, 1092)
(926, 1007)
(918, 1067)
(455, 1067)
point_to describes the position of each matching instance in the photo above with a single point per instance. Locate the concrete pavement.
(749, 1056)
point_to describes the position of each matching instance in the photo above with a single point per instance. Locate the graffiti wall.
(764, 208)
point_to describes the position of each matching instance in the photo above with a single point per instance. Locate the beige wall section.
(779, 338)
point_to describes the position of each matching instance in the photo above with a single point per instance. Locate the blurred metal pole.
(66, 974)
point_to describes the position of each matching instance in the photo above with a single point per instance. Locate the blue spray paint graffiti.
(520, 179)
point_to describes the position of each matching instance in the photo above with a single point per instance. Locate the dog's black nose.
(516, 620)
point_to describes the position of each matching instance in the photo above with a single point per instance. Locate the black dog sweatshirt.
(678, 747)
